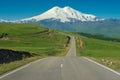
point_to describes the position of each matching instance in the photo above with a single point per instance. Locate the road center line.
(61, 65)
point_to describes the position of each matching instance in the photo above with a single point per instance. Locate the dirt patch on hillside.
(5, 38)
(81, 43)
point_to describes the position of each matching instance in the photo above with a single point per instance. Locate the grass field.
(12, 65)
(105, 52)
(31, 38)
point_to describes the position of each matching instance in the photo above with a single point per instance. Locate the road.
(69, 67)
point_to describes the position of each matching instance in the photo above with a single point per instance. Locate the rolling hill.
(103, 51)
(32, 38)
(24, 43)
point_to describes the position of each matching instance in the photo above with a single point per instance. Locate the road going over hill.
(69, 67)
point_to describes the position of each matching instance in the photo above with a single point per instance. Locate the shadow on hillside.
(7, 55)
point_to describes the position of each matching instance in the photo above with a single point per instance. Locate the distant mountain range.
(70, 19)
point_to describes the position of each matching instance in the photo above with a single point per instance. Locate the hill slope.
(32, 38)
(105, 52)
(23, 43)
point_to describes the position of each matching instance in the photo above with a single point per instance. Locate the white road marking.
(61, 65)
(20, 68)
(37, 60)
(14, 71)
(69, 52)
(103, 66)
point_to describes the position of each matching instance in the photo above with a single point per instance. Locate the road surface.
(69, 67)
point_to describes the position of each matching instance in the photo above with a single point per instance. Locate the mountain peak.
(65, 14)
(67, 7)
(56, 8)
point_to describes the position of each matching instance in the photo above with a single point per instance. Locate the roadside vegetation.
(12, 65)
(105, 51)
(31, 38)
(100, 36)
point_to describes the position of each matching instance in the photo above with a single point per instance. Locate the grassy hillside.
(32, 38)
(105, 52)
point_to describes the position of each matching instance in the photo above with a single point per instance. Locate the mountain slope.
(109, 27)
(66, 14)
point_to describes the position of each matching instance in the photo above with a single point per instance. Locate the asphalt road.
(69, 67)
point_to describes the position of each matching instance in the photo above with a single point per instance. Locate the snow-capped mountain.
(70, 19)
(7, 21)
(3, 21)
(66, 14)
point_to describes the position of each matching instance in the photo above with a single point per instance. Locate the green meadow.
(32, 38)
(103, 51)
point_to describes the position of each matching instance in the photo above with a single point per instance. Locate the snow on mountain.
(65, 14)
(1, 20)
(7, 21)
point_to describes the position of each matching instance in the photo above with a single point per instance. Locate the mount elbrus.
(70, 19)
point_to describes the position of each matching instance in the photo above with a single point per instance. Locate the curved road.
(69, 67)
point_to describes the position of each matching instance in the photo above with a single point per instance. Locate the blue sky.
(19, 9)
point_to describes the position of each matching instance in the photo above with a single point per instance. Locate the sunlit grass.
(105, 52)
(34, 39)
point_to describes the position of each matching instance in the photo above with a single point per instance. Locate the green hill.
(29, 39)
(32, 38)
(105, 51)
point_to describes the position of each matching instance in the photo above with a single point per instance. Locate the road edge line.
(19, 68)
(102, 66)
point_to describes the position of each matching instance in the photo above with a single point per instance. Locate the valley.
(59, 40)
(69, 67)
